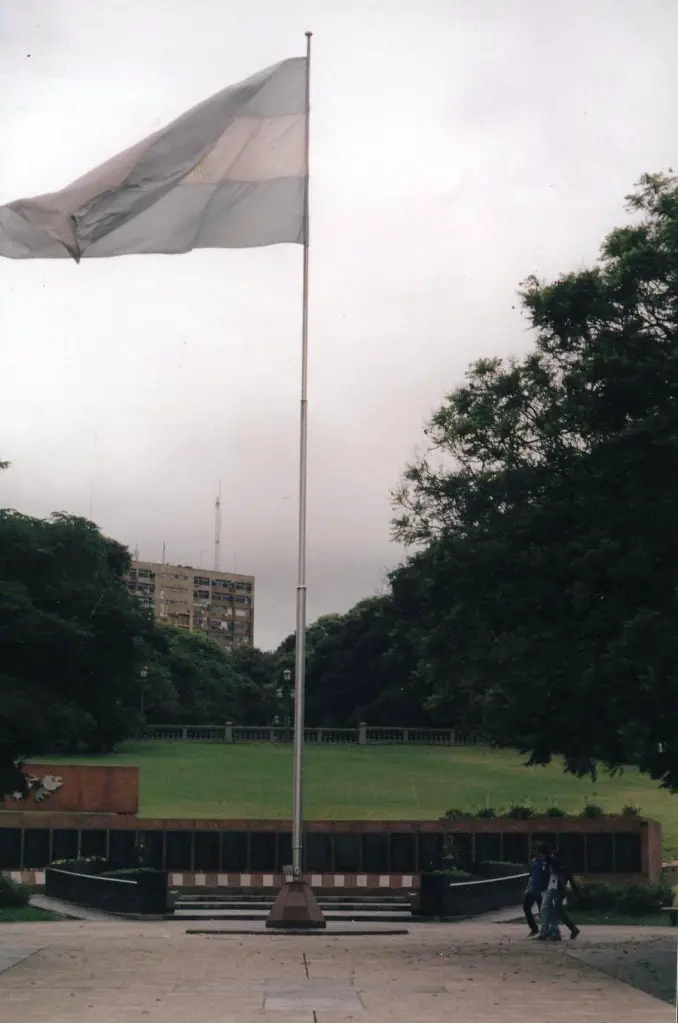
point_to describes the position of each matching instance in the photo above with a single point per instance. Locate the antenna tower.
(217, 531)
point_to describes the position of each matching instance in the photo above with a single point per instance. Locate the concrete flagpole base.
(296, 907)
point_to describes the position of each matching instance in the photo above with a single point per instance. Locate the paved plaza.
(119, 972)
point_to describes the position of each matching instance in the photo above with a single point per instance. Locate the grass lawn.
(398, 782)
(26, 914)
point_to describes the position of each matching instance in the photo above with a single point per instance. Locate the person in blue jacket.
(537, 885)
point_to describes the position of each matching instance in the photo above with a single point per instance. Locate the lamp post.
(143, 674)
(287, 678)
(284, 696)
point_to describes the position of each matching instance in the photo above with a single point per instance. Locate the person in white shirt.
(552, 912)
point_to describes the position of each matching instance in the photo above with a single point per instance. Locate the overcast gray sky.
(457, 146)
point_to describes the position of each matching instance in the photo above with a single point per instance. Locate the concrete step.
(250, 914)
(260, 904)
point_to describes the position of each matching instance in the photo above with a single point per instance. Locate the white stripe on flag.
(230, 173)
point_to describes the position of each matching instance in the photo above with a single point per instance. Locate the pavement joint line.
(23, 958)
(289, 932)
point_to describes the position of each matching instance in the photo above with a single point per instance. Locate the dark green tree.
(192, 680)
(546, 582)
(258, 666)
(359, 668)
(69, 635)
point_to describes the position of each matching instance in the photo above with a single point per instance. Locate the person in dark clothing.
(553, 911)
(566, 878)
(539, 879)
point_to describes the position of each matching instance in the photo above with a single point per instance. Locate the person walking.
(539, 878)
(552, 912)
(566, 879)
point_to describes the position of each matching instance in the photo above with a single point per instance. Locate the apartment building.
(220, 604)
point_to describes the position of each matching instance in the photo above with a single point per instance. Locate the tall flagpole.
(296, 905)
(300, 646)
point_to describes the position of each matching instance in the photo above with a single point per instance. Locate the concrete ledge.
(68, 909)
(71, 911)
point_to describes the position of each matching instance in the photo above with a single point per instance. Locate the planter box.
(152, 895)
(443, 897)
(142, 894)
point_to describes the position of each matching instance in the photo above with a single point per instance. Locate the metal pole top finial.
(308, 34)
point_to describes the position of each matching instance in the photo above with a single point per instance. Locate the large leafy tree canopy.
(82, 664)
(189, 679)
(360, 667)
(69, 637)
(546, 515)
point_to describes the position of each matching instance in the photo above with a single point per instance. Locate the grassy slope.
(26, 914)
(417, 782)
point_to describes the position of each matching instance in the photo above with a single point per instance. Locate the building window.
(145, 573)
(201, 594)
(220, 626)
(200, 580)
(223, 611)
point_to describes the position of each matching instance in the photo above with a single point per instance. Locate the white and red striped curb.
(34, 878)
(398, 882)
(351, 881)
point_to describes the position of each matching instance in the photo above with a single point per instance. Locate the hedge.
(12, 894)
(85, 865)
(625, 899)
(492, 869)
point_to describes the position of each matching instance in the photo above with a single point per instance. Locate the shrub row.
(499, 868)
(456, 874)
(525, 812)
(624, 899)
(85, 865)
(483, 871)
(11, 894)
(97, 865)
